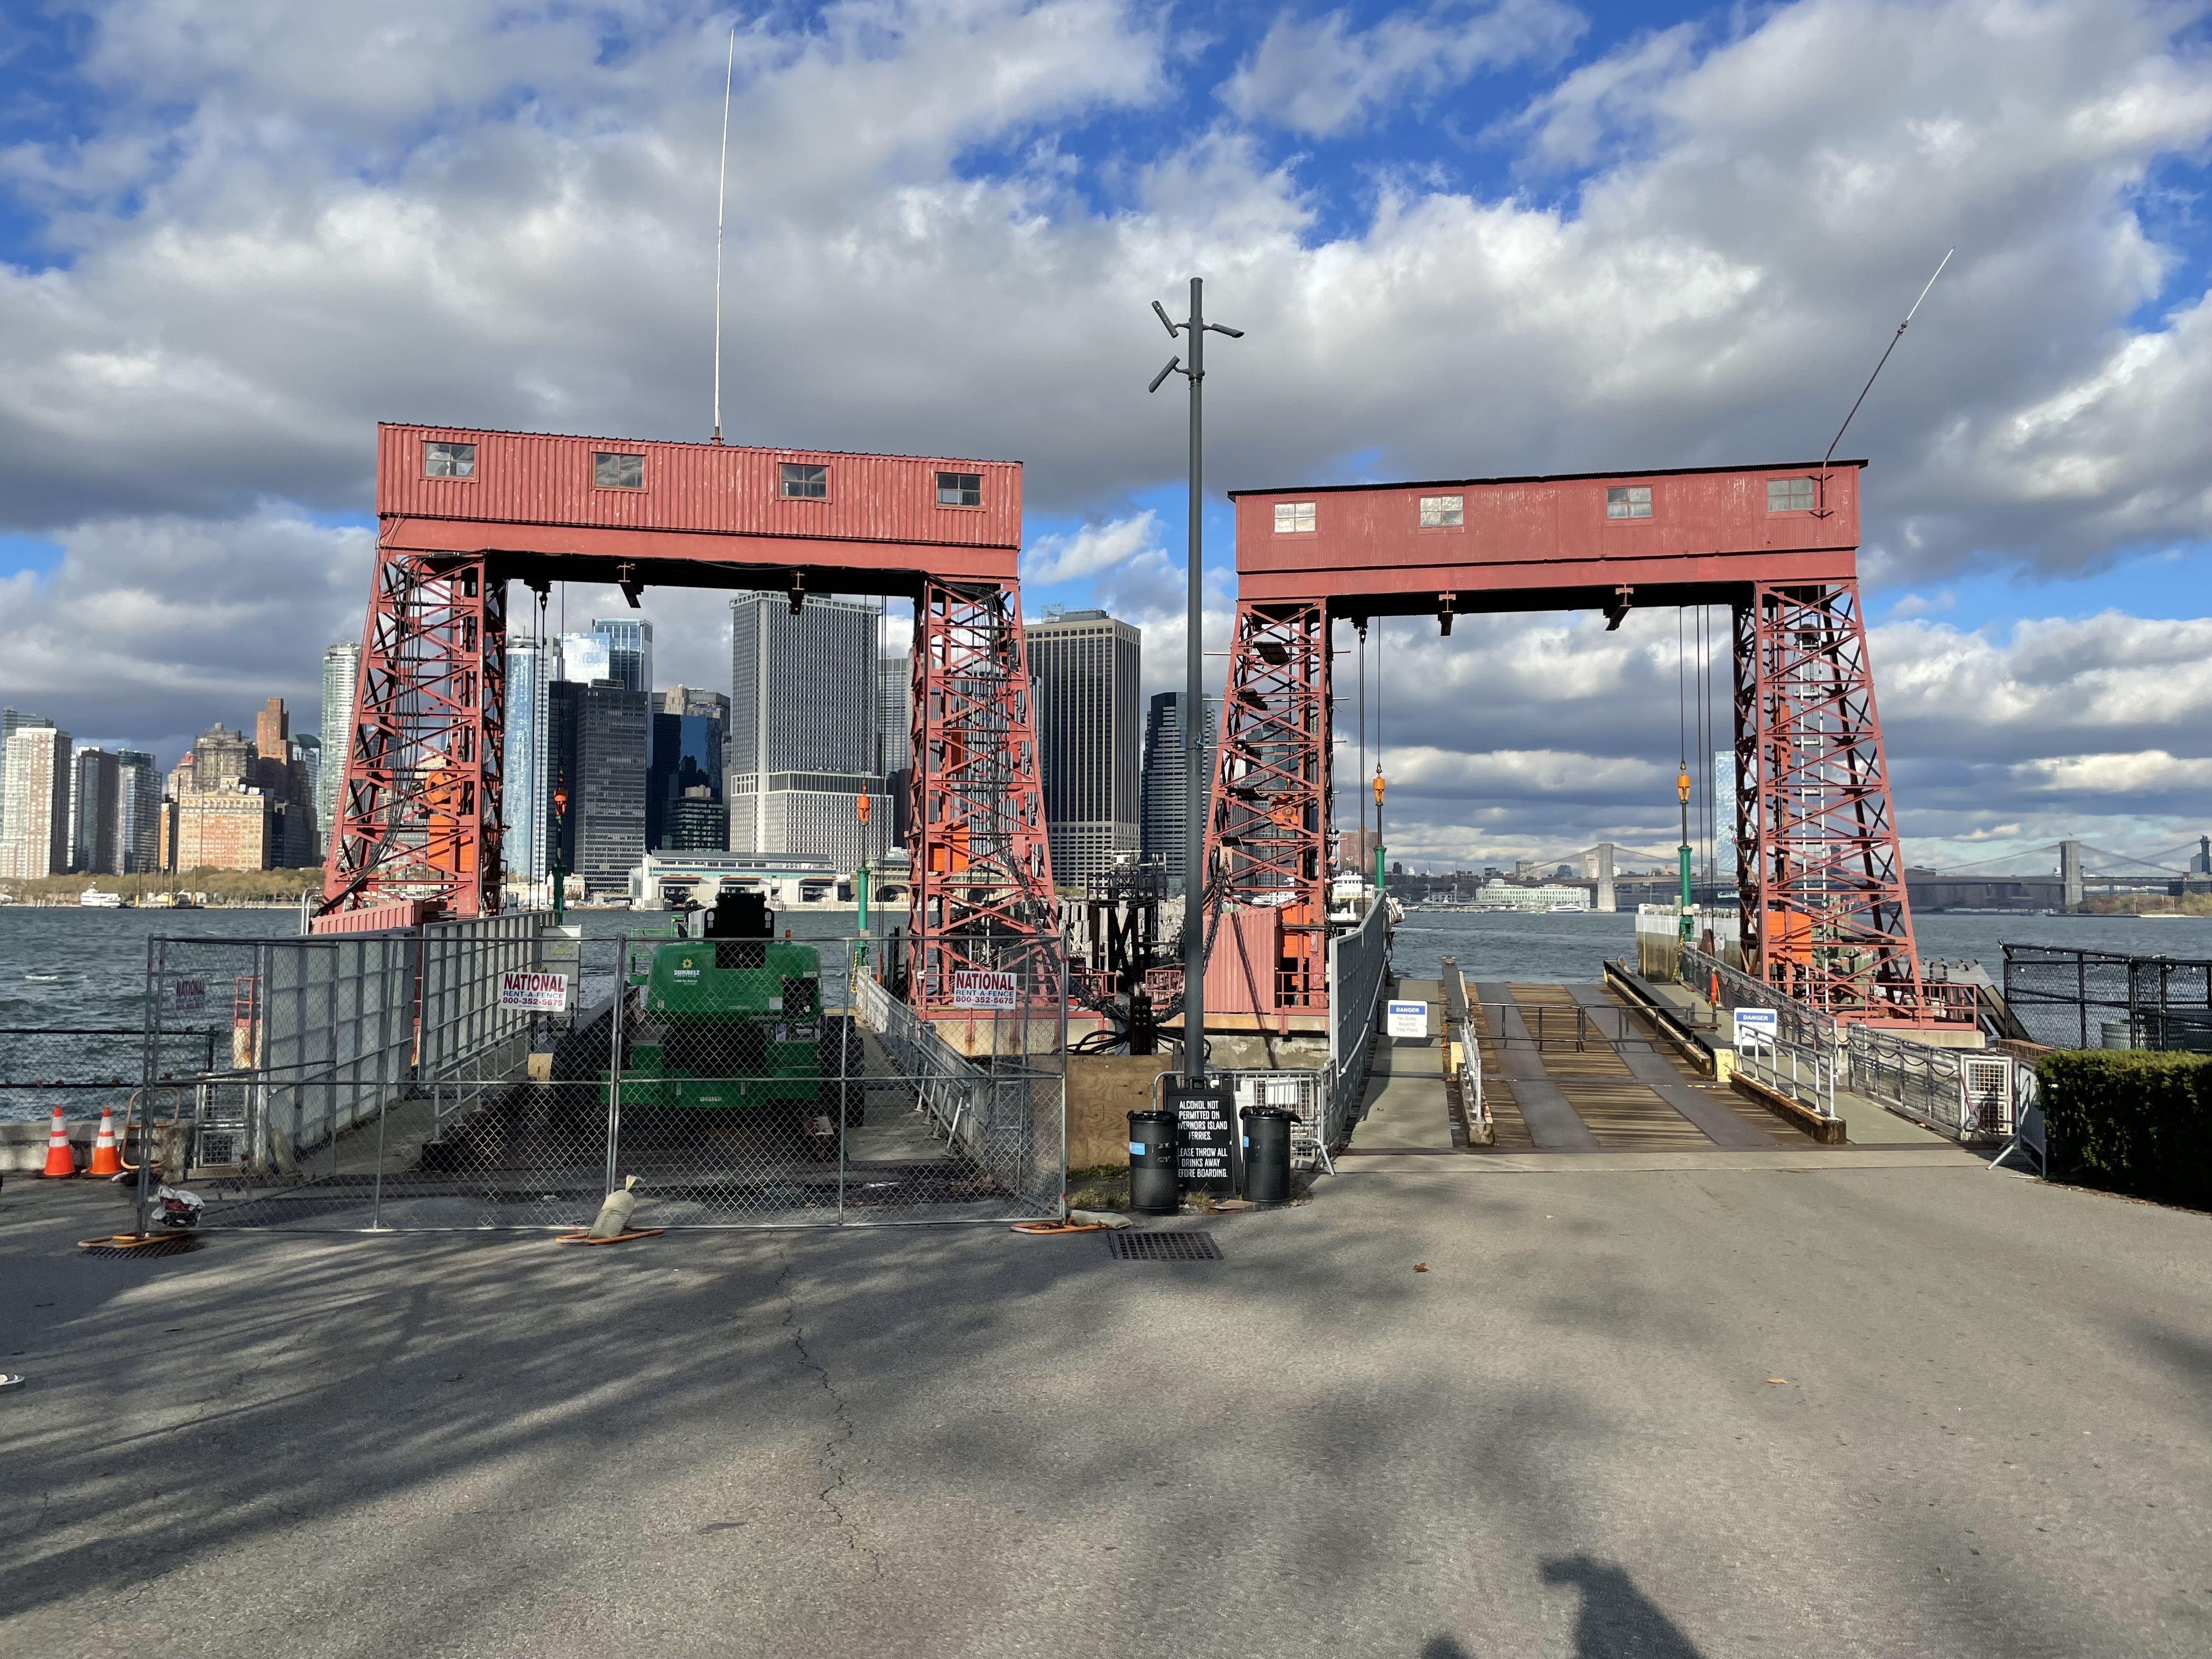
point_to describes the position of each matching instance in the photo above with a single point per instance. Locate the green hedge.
(2130, 1120)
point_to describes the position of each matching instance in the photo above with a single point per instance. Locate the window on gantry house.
(1293, 518)
(805, 482)
(618, 471)
(960, 490)
(1437, 511)
(1628, 501)
(441, 459)
(1788, 495)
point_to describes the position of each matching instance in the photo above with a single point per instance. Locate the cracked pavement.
(1625, 1410)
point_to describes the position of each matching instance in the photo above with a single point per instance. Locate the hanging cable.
(1359, 785)
(1681, 694)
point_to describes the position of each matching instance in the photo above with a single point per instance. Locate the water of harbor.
(76, 967)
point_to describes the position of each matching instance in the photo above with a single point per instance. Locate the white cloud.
(1322, 76)
(1093, 551)
(2146, 770)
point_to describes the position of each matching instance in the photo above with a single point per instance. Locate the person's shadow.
(1618, 1621)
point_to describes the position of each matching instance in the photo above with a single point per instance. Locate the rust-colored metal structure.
(461, 512)
(1825, 912)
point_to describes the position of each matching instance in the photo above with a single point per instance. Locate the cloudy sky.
(1463, 240)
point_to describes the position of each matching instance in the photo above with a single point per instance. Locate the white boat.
(93, 899)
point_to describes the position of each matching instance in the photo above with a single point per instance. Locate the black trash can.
(1153, 1184)
(1267, 1154)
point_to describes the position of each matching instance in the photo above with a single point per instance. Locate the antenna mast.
(721, 197)
(1891, 346)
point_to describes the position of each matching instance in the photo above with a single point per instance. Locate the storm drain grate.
(1128, 1245)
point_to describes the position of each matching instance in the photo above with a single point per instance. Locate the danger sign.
(983, 987)
(541, 993)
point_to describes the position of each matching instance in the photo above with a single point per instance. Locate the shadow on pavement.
(1618, 1621)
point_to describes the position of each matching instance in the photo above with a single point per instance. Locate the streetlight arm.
(1175, 364)
(1221, 328)
(1161, 311)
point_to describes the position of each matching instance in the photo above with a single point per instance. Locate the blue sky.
(1464, 241)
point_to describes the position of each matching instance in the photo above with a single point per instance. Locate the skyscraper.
(1087, 668)
(581, 658)
(1166, 792)
(137, 813)
(93, 778)
(222, 759)
(280, 774)
(685, 802)
(801, 744)
(629, 650)
(596, 746)
(307, 757)
(10, 723)
(34, 824)
(1724, 816)
(893, 713)
(341, 682)
(525, 790)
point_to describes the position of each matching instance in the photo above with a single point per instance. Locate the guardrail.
(1964, 1093)
(1806, 1073)
(1459, 1027)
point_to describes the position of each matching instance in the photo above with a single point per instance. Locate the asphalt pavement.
(1833, 1408)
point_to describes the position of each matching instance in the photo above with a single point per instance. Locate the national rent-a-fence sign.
(539, 994)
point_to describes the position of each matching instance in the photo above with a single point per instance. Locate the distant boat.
(93, 899)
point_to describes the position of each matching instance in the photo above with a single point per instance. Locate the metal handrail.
(1803, 1071)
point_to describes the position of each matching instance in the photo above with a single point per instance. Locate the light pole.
(1682, 852)
(1197, 792)
(560, 875)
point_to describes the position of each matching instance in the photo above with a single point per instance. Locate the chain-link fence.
(502, 1073)
(2073, 998)
(86, 1069)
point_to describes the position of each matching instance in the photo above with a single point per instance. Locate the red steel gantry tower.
(460, 513)
(1825, 914)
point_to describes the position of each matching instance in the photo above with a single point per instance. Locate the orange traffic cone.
(60, 1160)
(107, 1158)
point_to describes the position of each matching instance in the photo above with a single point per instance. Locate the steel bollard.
(1154, 1183)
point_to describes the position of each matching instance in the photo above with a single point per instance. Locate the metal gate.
(381, 1081)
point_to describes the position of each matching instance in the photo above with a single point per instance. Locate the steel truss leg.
(981, 869)
(1825, 917)
(418, 804)
(1267, 829)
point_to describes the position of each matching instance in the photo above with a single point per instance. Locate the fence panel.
(2073, 998)
(1960, 1092)
(785, 1091)
(1356, 963)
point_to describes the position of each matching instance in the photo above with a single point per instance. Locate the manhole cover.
(1129, 1245)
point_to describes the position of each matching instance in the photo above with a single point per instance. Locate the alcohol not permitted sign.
(541, 993)
(983, 987)
(1202, 1155)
